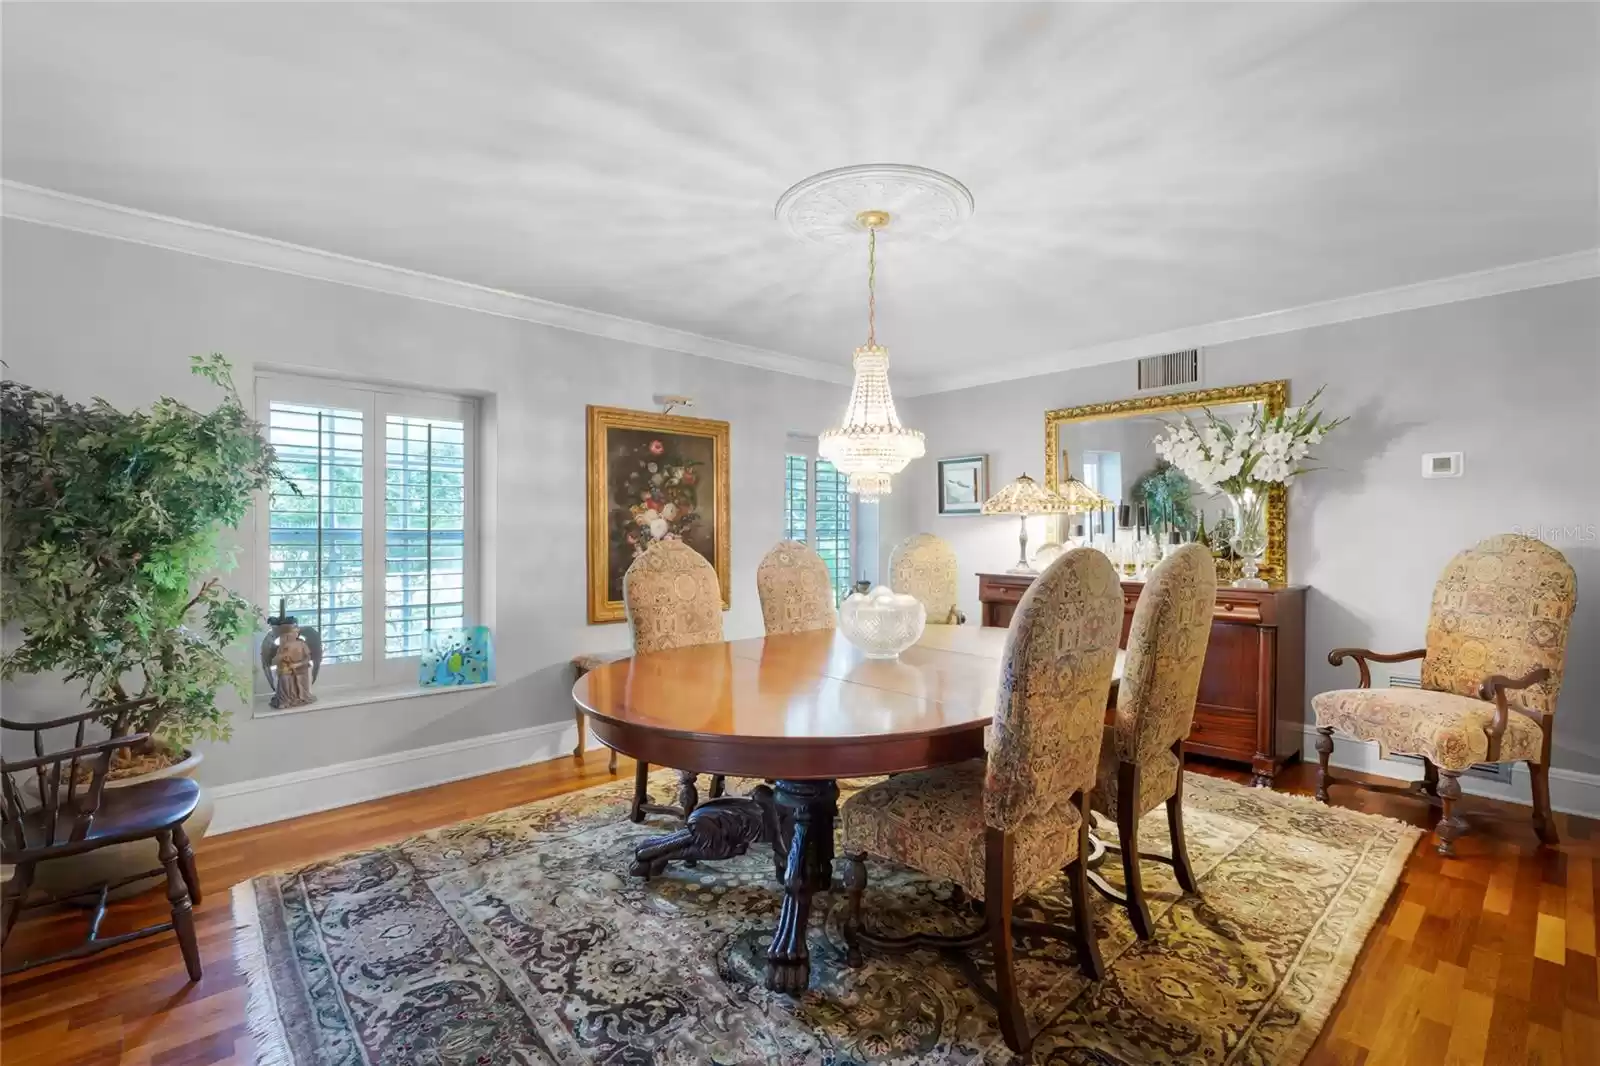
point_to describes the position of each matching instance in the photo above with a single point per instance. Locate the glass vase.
(1250, 534)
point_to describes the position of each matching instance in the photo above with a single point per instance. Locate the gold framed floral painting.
(653, 477)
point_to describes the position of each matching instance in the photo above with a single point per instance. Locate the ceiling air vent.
(1169, 371)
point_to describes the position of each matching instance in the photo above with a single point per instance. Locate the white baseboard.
(1571, 791)
(272, 799)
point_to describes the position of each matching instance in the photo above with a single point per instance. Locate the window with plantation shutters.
(425, 559)
(368, 532)
(315, 559)
(796, 525)
(819, 510)
(833, 525)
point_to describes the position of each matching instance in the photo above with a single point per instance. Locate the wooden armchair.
(73, 816)
(1000, 827)
(1491, 670)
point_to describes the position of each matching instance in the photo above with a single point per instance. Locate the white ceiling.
(1137, 168)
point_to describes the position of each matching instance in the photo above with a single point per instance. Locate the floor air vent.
(1170, 370)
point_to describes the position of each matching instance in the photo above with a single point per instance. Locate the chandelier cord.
(872, 286)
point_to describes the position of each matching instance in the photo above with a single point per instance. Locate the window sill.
(360, 697)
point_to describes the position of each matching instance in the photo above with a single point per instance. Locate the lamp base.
(1027, 571)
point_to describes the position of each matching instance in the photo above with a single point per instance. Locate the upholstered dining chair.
(924, 566)
(1141, 757)
(796, 589)
(673, 600)
(72, 813)
(1001, 826)
(1492, 662)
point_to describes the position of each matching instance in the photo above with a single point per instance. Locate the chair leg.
(1324, 749)
(997, 903)
(182, 911)
(191, 877)
(1544, 822)
(611, 763)
(16, 895)
(719, 785)
(641, 790)
(1430, 777)
(855, 883)
(1077, 872)
(577, 752)
(1451, 825)
(1128, 838)
(1180, 847)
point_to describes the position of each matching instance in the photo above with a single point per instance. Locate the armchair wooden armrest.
(75, 755)
(81, 716)
(1494, 687)
(1362, 656)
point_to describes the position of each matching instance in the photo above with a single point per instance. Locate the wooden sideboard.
(1251, 707)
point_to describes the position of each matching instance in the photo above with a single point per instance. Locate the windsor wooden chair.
(75, 813)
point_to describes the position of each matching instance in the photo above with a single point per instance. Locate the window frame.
(374, 670)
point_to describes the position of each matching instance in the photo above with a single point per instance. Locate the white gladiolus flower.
(1215, 455)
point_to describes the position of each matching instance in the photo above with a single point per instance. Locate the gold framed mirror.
(1108, 446)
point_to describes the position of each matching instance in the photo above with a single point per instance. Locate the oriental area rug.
(521, 939)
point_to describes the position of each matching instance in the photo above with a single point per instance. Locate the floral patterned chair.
(796, 590)
(1141, 758)
(673, 601)
(924, 566)
(1002, 826)
(1491, 670)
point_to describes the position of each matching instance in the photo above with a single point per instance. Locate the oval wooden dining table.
(799, 710)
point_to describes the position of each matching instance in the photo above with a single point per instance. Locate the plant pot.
(80, 872)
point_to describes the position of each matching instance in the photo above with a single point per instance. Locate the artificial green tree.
(111, 546)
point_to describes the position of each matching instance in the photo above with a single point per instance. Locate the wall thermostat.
(1441, 464)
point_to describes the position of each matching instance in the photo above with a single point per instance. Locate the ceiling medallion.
(826, 208)
(871, 445)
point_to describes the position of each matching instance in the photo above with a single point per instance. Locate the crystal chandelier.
(871, 446)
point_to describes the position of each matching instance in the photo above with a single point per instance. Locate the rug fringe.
(1312, 801)
(262, 1019)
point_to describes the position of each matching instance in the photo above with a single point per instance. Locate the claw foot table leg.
(809, 870)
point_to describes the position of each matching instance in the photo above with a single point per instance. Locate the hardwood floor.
(1489, 958)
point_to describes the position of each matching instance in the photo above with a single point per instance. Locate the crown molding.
(1538, 273)
(46, 207)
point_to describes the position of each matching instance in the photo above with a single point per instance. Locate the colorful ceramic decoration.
(457, 657)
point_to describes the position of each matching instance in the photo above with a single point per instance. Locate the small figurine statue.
(291, 658)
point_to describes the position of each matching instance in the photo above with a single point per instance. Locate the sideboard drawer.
(1223, 730)
(999, 594)
(1005, 593)
(1234, 611)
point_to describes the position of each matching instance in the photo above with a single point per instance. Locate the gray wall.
(1513, 381)
(88, 316)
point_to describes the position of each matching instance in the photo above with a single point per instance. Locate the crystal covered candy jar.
(882, 623)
